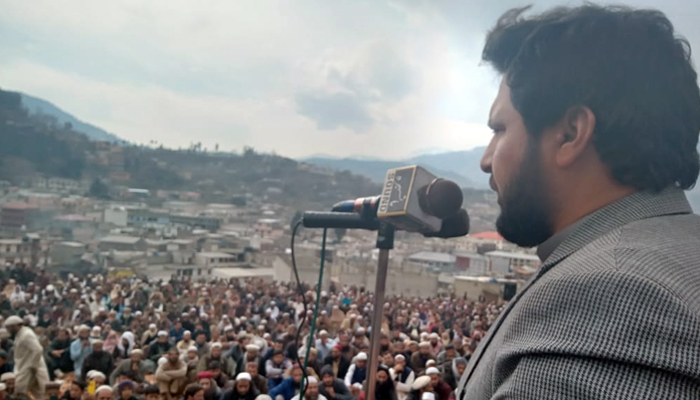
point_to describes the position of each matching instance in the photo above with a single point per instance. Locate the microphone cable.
(304, 381)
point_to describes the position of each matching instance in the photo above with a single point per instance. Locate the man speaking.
(595, 130)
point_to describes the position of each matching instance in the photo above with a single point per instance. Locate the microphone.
(454, 226)
(439, 198)
(415, 200)
(412, 200)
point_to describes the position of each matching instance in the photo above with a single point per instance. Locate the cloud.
(380, 78)
(331, 111)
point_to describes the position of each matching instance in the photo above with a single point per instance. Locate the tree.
(99, 189)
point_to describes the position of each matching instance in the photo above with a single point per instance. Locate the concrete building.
(123, 243)
(209, 223)
(116, 215)
(66, 254)
(212, 260)
(63, 185)
(14, 250)
(505, 263)
(17, 216)
(493, 289)
(428, 259)
(472, 264)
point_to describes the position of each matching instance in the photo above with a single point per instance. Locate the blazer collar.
(637, 206)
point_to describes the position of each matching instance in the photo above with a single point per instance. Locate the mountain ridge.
(35, 106)
(459, 166)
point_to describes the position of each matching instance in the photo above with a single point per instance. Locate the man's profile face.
(513, 160)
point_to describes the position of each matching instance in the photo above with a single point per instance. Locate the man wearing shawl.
(31, 375)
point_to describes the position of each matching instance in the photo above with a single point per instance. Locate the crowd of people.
(90, 337)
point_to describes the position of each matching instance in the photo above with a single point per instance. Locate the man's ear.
(575, 135)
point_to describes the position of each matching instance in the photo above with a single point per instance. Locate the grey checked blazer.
(613, 313)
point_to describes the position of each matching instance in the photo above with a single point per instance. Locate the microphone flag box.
(400, 201)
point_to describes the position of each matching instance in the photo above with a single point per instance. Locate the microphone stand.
(385, 242)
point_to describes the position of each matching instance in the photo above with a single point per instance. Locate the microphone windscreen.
(443, 198)
(454, 226)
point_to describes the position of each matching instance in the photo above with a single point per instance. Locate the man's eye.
(498, 131)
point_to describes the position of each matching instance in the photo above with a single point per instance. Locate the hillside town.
(53, 223)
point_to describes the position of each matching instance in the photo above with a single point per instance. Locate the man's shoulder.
(663, 250)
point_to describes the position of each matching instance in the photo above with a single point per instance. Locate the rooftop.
(215, 254)
(20, 205)
(489, 235)
(506, 254)
(429, 256)
(73, 218)
(120, 239)
(227, 273)
(484, 279)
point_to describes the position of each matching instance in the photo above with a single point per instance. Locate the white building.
(503, 262)
(117, 216)
(210, 260)
(433, 259)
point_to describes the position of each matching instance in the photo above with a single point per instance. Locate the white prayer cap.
(13, 320)
(362, 356)
(98, 374)
(136, 351)
(357, 385)
(162, 333)
(7, 376)
(323, 332)
(432, 371)
(104, 387)
(434, 335)
(192, 348)
(428, 396)
(252, 347)
(400, 357)
(244, 376)
(152, 326)
(216, 345)
(311, 379)
(430, 363)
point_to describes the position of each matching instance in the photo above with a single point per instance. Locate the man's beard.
(310, 396)
(525, 218)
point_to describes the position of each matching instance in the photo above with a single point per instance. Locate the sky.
(370, 78)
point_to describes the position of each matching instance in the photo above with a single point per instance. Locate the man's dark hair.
(191, 390)
(627, 66)
(151, 389)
